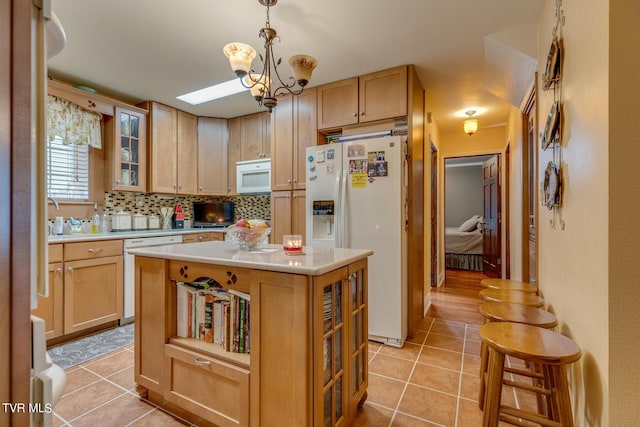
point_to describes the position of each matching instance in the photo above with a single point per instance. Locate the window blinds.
(67, 170)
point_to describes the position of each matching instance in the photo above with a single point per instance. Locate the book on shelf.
(214, 315)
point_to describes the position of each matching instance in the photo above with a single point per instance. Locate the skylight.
(211, 93)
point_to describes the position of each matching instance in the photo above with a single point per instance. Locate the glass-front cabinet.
(341, 339)
(129, 150)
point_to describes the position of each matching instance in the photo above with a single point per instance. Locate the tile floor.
(431, 381)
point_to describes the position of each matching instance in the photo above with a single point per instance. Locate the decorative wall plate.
(553, 128)
(552, 186)
(553, 69)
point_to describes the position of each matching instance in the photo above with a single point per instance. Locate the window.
(67, 170)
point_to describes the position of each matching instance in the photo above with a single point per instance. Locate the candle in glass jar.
(292, 243)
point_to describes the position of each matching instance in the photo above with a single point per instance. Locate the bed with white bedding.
(463, 249)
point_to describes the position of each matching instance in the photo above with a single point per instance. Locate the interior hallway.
(432, 381)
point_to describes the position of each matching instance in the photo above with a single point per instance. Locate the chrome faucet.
(55, 203)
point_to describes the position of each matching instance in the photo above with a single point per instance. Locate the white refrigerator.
(356, 197)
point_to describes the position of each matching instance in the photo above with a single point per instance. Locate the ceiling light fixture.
(470, 125)
(241, 55)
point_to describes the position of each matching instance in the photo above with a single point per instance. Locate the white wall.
(463, 193)
(573, 261)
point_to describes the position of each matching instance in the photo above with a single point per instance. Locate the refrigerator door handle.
(342, 212)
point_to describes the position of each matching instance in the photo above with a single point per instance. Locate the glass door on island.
(332, 299)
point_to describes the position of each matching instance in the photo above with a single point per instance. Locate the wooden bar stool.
(512, 285)
(509, 312)
(517, 297)
(551, 350)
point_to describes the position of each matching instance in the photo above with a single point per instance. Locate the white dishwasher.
(129, 265)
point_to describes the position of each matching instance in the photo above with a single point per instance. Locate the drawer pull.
(199, 362)
(95, 251)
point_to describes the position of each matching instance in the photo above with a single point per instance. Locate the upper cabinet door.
(338, 104)
(187, 152)
(212, 156)
(305, 134)
(255, 136)
(163, 166)
(383, 95)
(129, 151)
(282, 144)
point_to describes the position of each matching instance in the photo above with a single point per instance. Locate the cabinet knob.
(58, 270)
(295, 180)
(354, 114)
(288, 181)
(362, 113)
(200, 188)
(70, 269)
(199, 237)
(95, 251)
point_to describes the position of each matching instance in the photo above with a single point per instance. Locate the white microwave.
(253, 176)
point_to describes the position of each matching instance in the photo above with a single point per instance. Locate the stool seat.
(517, 313)
(517, 297)
(548, 350)
(513, 285)
(530, 343)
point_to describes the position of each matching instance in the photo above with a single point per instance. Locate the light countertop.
(68, 238)
(314, 262)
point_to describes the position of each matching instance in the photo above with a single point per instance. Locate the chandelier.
(470, 125)
(241, 55)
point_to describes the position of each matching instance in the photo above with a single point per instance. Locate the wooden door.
(187, 153)
(234, 154)
(530, 176)
(253, 134)
(434, 216)
(163, 155)
(280, 215)
(338, 104)
(282, 144)
(305, 127)
(491, 247)
(298, 213)
(383, 95)
(51, 308)
(93, 290)
(212, 156)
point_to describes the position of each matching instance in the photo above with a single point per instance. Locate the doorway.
(473, 203)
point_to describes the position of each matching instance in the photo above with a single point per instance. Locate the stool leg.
(483, 372)
(493, 392)
(560, 393)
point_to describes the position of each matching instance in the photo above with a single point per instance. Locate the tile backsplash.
(258, 206)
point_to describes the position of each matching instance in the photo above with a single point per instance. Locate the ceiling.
(467, 53)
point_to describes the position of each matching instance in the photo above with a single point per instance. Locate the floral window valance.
(72, 124)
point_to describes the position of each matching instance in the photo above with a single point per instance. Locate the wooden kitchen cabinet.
(293, 129)
(51, 308)
(288, 214)
(126, 149)
(338, 104)
(249, 139)
(255, 141)
(375, 96)
(93, 284)
(173, 148)
(212, 156)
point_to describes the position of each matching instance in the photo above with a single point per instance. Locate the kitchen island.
(307, 335)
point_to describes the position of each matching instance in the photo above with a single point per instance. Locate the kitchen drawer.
(207, 387)
(93, 249)
(55, 253)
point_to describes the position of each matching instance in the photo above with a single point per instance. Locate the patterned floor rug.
(79, 351)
